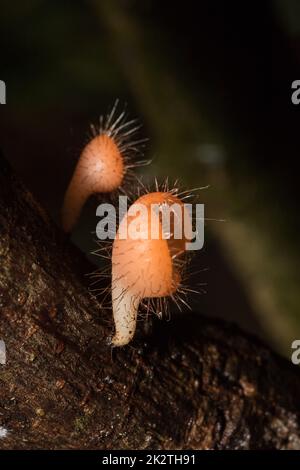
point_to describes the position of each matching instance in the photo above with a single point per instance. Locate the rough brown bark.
(193, 383)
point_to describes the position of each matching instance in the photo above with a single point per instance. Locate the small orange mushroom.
(144, 257)
(102, 165)
(100, 170)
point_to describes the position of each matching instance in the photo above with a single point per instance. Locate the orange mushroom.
(100, 170)
(102, 165)
(144, 257)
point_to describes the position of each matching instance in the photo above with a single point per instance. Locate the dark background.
(211, 83)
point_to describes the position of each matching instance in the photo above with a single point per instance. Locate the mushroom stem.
(125, 309)
(74, 200)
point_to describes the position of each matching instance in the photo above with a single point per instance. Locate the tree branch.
(192, 384)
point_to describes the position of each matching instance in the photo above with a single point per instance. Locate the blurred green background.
(211, 83)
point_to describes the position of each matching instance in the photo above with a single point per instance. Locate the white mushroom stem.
(125, 310)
